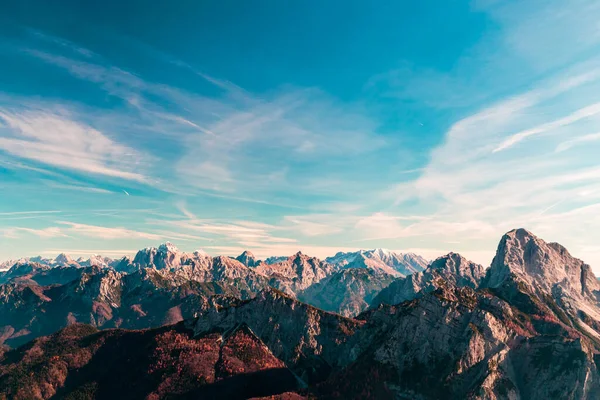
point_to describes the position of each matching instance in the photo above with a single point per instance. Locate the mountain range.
(366, 324)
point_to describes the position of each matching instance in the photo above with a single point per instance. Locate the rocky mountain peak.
(538, 273)
(451, 268)
(248, 259)
(166, 255)
(300, 260)
(382, 260)
(96, 260)
(380, 252)
(298, 255)
(454, 263)
(64, 260)
(542, 265)
(296, 272)
(168, 247)
(275, 259)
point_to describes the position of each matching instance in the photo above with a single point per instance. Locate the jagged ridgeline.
(368, 324)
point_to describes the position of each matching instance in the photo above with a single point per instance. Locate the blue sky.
(416, 126)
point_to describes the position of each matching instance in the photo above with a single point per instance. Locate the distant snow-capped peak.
(64, 260)
(168, 247)
(380, 252)
(383, 260)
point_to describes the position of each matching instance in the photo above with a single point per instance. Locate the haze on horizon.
(413, 126)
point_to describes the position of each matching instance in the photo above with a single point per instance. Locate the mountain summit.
(451, 268)
(248, 259)
(525, 266)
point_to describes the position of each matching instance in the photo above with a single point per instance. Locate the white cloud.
(256, 145)
(566, 145)
(76, 187)
(583, 113)
(114, 253)
(29, 212)
(62, 43)
(53, 138)
(51, 232)
(314, 224)
(103, 232)
(237, 142)
(232, 231)
(380, 226)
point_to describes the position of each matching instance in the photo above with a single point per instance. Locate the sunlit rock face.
(450, 268)
(295, 273)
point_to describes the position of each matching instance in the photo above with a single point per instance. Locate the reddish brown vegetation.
(243, 353)
(81, 362)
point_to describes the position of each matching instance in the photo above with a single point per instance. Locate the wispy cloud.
(238, 143)
(29, 212)
(54, 138)
(578, 115)
(249, 143)
(236, 231)
(103, 232)
(313, 224)
(79, 230)
(44, 36)
(88, 252)
(76, 187)
(566, 145)
(51, 232)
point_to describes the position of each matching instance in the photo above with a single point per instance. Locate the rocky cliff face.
(166, 256)
(450, 268)
(458, 343)
(22, 271)
(541, 265)
(248, 259)
(307, 339)
(295, 273)
(539, 276)
(106, 298)
(347, 292)
(96, 261)
(211, 269)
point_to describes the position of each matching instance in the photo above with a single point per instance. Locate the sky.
(428, 126)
